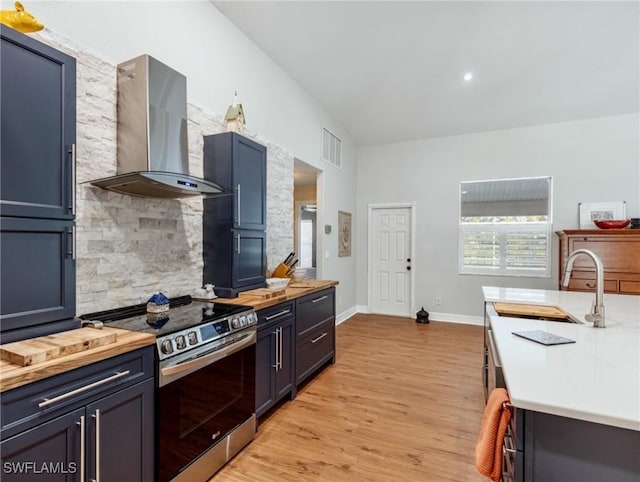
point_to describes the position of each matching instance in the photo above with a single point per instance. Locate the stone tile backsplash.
(129, 247)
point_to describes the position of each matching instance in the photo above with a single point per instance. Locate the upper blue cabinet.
(239, 165)
(38, 132)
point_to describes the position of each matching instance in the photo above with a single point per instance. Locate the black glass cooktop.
(183, 313)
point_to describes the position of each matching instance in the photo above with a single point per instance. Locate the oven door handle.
(169, 374)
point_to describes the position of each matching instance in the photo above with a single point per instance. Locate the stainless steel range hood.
(153, 156)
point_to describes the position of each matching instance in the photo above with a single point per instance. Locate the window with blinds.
(505, 227)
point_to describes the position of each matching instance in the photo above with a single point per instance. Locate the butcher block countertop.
(13, 375)
(295, 289)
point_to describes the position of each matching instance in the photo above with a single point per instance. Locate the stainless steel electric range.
(205, 382)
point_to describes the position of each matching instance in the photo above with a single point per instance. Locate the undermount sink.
(534, 312)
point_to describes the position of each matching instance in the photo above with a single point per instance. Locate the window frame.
(501, 230)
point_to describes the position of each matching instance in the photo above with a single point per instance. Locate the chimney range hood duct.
(153, 155)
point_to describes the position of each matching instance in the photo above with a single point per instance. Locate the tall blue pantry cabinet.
(37, 191)
(234, 242)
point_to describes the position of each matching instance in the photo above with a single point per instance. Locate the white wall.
(591, 160)
(198, 41)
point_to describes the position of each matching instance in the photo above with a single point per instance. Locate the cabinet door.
(120, 435)
(249, 184)
(38, 272)
(265, 369)
(38, 129)
(315, 349)
(285, 373)
(249, 258)
(50, 452)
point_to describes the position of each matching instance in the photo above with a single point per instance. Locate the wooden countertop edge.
(13, 376)
(291, 294)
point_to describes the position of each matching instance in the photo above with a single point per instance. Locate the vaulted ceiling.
(392, 71)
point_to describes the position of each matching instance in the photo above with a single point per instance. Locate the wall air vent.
(331, 148)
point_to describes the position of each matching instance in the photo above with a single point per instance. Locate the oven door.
(197, 410)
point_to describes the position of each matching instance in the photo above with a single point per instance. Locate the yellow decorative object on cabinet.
(20, 20)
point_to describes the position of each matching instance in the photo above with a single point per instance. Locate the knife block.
(281, 271)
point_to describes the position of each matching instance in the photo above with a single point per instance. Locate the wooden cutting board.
(44, 348)
(529, 310)
(265, 293)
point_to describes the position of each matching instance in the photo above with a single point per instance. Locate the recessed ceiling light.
(468, 76)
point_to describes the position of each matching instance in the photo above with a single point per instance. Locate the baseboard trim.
(446, 317)
(454, 318)
(345, 315)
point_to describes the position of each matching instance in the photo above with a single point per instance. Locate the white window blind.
(505, 227)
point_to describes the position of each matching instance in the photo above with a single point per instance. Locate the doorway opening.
(305, 195)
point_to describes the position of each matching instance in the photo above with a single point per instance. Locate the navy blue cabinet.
(234, 244)
(38, 273)
(38, 133)
(275, 356)
(37, 173)
(239, 165)
(315, 332)
(92, 423)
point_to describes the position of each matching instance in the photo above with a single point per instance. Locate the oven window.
(198, 410)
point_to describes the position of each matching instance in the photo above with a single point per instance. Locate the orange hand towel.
(494, 425)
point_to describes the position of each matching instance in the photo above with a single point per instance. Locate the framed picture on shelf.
(589, 212)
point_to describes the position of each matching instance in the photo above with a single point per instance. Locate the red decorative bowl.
(612, 223)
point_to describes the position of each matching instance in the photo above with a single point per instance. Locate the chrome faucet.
(597, 311)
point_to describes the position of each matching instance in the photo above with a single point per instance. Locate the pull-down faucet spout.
(597, 312)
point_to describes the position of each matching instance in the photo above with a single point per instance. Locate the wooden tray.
(529, 310)
(44, 348)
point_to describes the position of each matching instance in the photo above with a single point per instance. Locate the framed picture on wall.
(589, 212)
(344, 234)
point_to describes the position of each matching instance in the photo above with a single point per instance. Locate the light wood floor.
(402, 403)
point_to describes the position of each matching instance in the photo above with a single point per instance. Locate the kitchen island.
(577, 405)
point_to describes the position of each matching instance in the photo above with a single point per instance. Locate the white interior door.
(390, 271)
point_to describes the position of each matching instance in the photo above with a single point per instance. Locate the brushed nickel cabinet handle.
(316, 340)
(73, 243)
(238, 206)
(72, 151)
(82, 447)
(96, 416)
(280, 354)
(319, 299)
(48, 401)
(276, 351)
(279, 313)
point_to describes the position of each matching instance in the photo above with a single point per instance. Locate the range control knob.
(181, 343)
(243, 320)
(192, 337)
(166, 347)
(235, 323)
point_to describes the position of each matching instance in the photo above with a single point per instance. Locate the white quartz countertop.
(595, 379)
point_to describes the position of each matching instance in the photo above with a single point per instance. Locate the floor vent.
(331, 148)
